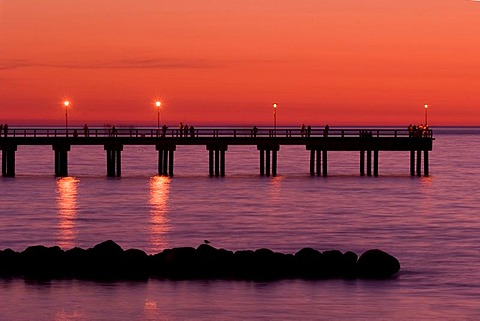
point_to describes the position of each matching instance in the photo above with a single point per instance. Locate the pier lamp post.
(275, 105)
(158, 104)
(426, 115)
(66, 103)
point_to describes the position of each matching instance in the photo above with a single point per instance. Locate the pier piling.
(114, 161)
(216, 155)
(61, 159)
(165, 158)
(315, 159)
(8, 160)
(266, 151)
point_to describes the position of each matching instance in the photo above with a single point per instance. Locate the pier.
(317, 141)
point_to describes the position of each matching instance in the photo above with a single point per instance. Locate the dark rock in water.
(309, 263)
(349, 264)
(179, 263)
(106, 249)
(108, 261)
(264, 265)
(9, 263)
(332, 263)
(104, 261)
(244, 261)
(212, 262)
(135, 264)
(377, 264)
(42, 262)
(76, 262)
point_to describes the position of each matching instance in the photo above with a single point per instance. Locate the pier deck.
(318, 141)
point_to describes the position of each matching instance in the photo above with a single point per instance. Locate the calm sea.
(431, 224)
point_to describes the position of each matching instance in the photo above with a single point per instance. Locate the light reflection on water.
(67, 210)
(159, 190)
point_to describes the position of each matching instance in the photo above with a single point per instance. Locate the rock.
(179, 263)
(107, 261)
(104, 262)
(332, 263)
(106, 249)
(349, 264)
(244, 264)
(135, 264)
(9, 263)
(76, 262)
(212, 262)
(377, 264)
(308, 263)
(42, 262)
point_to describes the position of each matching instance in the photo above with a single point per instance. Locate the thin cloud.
(120, 64)
(132, 64)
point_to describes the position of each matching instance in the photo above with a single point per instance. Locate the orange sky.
(341, 62)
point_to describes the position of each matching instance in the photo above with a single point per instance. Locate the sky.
(225, 62)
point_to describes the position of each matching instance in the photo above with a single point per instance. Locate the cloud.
(119, 64)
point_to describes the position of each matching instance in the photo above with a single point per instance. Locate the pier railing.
(211, 132)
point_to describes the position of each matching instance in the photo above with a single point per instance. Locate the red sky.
(341, 62)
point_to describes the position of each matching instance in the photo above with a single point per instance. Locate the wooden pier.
(318, 141)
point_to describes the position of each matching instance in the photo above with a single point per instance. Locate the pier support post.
(274, 162)
(425, 163)
(267, 162)
(216, 155)
(419, 162)
(412, 163)
(362, 163)
(312, 162)
(325, 163)
(165, 158)
(319, 161)
(217, 162)
(222, 162)
(315, 159)
(114, 159)
(210, 162)
(262, 162)
(375, 163)
(369, 163)
(61, 159)
(8, 160)
(265, 151)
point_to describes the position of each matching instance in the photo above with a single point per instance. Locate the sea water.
(431, 224)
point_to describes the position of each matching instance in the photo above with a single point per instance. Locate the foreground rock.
(108, 261)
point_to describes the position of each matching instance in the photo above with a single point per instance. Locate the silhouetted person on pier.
(75, 133)
(180, 129)
(164, 130)
(410, 130)
(192, 131)
(185, 130)
(325, 131)
(114, 131)
(302, 130)
(85, 130)
(309, 130)
(5, 130)
(255, 131)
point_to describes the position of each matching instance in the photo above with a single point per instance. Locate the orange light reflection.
(67, 188)
(159, 190)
